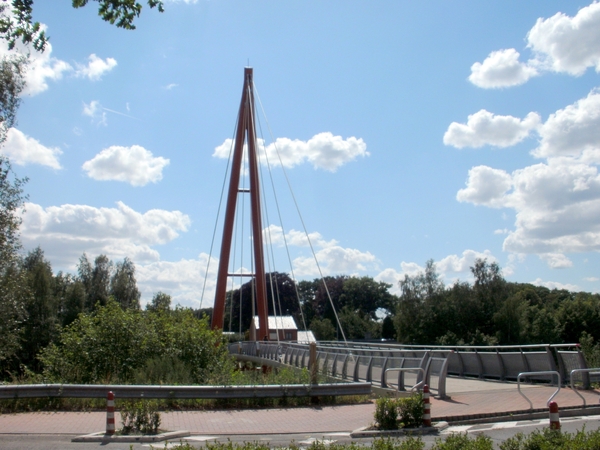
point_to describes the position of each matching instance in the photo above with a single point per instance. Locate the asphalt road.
(497, 431)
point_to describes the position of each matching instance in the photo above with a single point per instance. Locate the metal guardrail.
(544, 372)
(502, 362)
(401, 378)
(593, 371)
(181, 392)
(354, 364)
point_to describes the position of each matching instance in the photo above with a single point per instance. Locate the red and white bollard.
(110, 413)
(554, 417)
(426, 407)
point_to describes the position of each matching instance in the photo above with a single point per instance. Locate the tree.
(323, 329)
(12, 82)
(16, 18)
(160, 302)
(96, 280)
(123, 286)
(41, 327)
(13, 287)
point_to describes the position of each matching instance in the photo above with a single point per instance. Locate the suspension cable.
(301, 218)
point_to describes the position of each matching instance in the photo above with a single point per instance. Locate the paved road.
(469, 399)
(497, 431)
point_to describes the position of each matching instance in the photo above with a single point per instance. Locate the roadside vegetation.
(538, 440)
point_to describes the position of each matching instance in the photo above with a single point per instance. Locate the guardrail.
(503, 362)
(401, 378)
(181, 392)
(584, 372)
(354, 364)
(544, 372)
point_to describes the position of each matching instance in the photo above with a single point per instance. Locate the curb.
(366, 433)
(527, 414)
(107, 438)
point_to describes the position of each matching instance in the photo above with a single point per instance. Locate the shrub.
(392, 413)
(410, 410)
(140, 417)
(386, 413)
(112, 345)
(458, 441)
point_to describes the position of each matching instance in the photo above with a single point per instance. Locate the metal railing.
(593, 371)
(354, 363)
(181, 392)
(544, 372)
(502, 362)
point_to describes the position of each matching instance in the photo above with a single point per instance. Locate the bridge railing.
(357, 364)
(496, 362)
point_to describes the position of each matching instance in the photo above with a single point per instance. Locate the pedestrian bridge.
(393, 365)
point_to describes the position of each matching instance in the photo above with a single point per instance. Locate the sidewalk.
(468, 398)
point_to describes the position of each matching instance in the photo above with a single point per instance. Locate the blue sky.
(408, 130)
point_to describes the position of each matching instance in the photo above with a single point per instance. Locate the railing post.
(313, 364)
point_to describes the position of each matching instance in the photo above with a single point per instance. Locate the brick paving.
(483, 398)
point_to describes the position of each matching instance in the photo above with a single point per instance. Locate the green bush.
(112, 345)
(392, 413)
(386, 413)
(458, 441)
(410, 411)
(140, 417)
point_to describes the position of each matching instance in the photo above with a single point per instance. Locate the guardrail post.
(426, 407)
(554, 416)
(313, 364)
(110, 413)
(585, 376)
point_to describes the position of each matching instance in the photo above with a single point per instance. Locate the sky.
(407, 131)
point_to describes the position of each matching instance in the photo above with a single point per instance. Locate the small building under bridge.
(282, 328)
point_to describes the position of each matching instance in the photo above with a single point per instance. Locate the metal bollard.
(110, 413)
(426, 407)
(554, 416)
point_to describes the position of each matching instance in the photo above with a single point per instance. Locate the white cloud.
(450, 269)
(95, 68)
(486, 186)
(573, 131)
(22, 150)
(556, 260)
(274, 235)
(555, 285)
(560, 44)
(65, 232)
(41, 68)
(134, 165)
(183, 280)
(501, 69)
(95, 111)
(557, 202)
(334, 260)
(323, 151)
(568, 44)
(485, 128)
(454, 265)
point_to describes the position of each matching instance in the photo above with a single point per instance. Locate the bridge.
(397, 366)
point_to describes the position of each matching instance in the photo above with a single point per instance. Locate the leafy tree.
(323, 329)
(160, 302)
(123, 286)
(16, 21)
(366, 295)
(70, 294)
(14, 293)
(95, 279)
(113, 344)
(41, 326)
(12, 82)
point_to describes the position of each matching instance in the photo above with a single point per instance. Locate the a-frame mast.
(246, 132)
